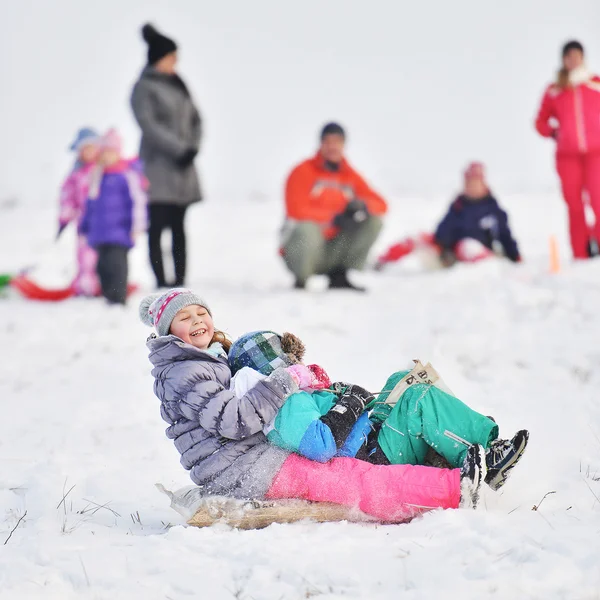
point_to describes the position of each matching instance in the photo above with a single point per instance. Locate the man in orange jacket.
(333, 217)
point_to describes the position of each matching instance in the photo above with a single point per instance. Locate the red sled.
(32, 291)
(467, 250)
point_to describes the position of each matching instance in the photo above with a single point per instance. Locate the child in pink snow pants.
(73, 196)
(220, 434)
(392, 493)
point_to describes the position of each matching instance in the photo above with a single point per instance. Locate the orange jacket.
(312, 193)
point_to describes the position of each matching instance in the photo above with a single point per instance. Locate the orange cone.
(554, 255)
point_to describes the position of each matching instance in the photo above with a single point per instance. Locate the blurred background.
(422, 87)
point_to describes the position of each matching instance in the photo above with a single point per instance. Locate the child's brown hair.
(562, 79)
(221, 337)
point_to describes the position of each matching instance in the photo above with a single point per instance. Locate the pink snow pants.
(577, 173)
(86, 281)
(392, 493)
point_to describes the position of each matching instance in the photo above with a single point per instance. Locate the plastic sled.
(467, 251)
(32, 291)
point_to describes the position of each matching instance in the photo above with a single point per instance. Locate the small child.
(73, 196)
(220, 437)
(408, 419)
(116, 211)
(475, 214)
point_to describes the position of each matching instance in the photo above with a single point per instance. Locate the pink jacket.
(73, 196)
(572, 116)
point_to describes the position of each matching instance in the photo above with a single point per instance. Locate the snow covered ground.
(80, 422)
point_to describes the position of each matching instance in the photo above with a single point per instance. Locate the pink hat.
(111, 140)
(475, 170)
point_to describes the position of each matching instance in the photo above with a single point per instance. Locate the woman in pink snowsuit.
(73, 196)
(221, 439)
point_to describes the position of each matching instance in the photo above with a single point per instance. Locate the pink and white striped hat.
(159, 310)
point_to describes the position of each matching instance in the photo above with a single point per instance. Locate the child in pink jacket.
(73, 196)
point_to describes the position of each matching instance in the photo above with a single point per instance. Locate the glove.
(346, 411)
(354, 214)
(309, 378)
(187, 158)
(61, 228)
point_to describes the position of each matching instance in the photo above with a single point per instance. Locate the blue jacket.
(298, 427)
(482, 220)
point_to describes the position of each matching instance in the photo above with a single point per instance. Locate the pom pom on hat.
(145, 317)
(159, 45)
(159, 310)
(149, 33)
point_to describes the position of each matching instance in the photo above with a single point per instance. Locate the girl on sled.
(220, 435)
(474, 228)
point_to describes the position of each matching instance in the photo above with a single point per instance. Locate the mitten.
(321, 380)
(302, 375)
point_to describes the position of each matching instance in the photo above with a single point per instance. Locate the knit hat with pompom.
(159, 310)
(159, 45)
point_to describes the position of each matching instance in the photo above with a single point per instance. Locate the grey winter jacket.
(171, 125)
(218, 435)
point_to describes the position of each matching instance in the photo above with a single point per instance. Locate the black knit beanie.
(572, 45)
(158, 44)
(332, 129)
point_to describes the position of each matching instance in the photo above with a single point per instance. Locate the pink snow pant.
(577, 173)
(86, 281)
(392, 493)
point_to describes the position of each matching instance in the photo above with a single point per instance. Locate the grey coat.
(171, 125)
(219, 436)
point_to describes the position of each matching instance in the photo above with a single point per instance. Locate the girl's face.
(194, 326)
(109, 157)
(573, 59)
(88, 153)
(475, 188)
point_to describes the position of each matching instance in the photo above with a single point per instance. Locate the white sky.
(422, 87)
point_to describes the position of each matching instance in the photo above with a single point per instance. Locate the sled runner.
(255, 514)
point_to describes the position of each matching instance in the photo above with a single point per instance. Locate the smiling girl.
(220, 434)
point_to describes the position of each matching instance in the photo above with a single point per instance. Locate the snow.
(422, 88)
(513, 341)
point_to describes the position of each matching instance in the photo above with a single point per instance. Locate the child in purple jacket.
(116, 211)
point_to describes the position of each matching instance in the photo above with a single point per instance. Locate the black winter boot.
(338, 280)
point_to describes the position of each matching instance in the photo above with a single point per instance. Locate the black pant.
(112, 270)
(167, 216)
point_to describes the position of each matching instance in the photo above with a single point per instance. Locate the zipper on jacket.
(579, 123)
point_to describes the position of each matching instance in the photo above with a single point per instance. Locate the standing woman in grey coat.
(171, 131)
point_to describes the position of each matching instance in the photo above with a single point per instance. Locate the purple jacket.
(219, 435)
(116, 208)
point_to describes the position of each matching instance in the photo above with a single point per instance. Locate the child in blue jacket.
(475, 214)
(399, 427)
